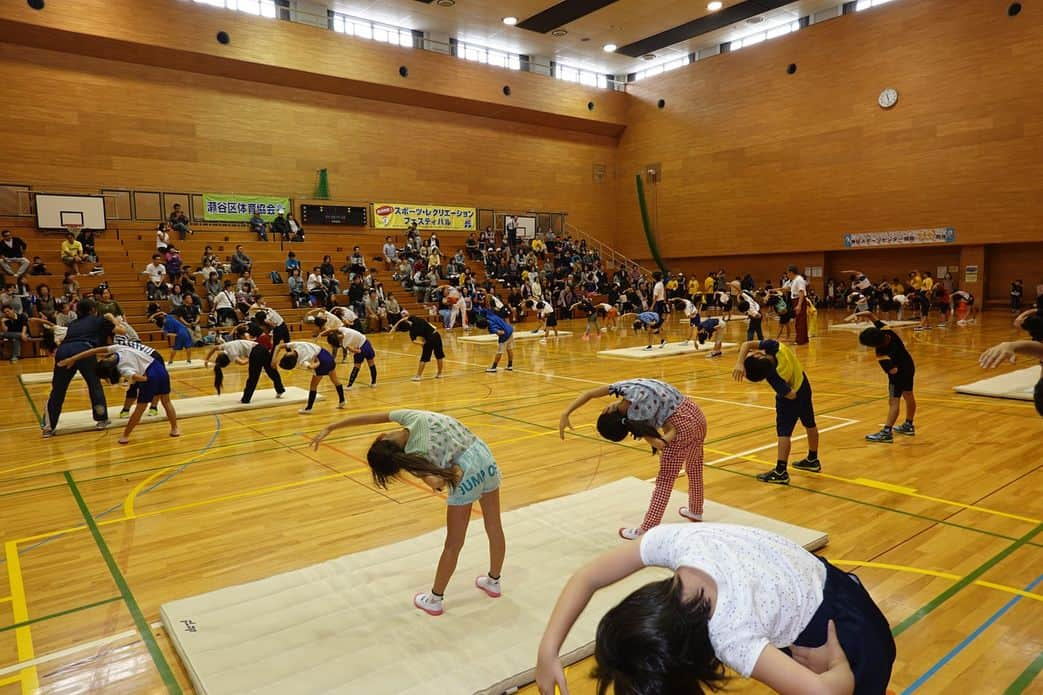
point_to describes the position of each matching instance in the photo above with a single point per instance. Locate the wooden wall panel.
(1009, 262)
(75, 122)
(182, 35)
(755, 158)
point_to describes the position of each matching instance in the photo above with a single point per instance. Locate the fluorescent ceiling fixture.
(609, 48)
(510, 21)
(715, 5)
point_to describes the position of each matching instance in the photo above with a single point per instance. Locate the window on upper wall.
(660, 69)
(774, 32)
(581, 76)
(261, 8)
(396, 36)
(866, 4)
(488, 56)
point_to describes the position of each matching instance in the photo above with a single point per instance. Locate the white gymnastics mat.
(668, 350)
(83, 420)
(1018, 385)
(862, 325)
(518, 335)
(45, 377)
(348, 625)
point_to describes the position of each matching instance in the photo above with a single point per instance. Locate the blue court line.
(968, 639)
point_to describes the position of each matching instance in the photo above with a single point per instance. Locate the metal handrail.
(606, 251)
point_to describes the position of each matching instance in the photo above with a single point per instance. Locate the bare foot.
(175, 433)
(123, 440)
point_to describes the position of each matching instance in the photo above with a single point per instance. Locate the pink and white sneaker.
(429, 603)
(489, 585)
(683, 511)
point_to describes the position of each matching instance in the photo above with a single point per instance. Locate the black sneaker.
(773, 476)
(906, 428)
(809, 466)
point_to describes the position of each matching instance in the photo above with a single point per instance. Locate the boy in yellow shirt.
(769, 360)
(72, 252)
(708, 285)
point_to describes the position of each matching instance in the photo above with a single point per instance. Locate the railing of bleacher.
(611, 257)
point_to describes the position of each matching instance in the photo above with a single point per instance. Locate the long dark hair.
(615, 426)
(387, 459)
(220, 362)
(333, 339)
(106, 369)
(656, 642)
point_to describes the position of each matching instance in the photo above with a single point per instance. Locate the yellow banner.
(400, 215)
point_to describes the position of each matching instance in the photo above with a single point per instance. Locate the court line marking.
(1020, 593)
(941, 598)
(76, 649)
(20, 614)
(1025, 678)
(746, 454)
(59, 614)
(966, 641)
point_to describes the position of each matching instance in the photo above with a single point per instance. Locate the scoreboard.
(354, 216)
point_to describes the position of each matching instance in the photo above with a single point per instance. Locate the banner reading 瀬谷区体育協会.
(240, 208)
(400, 215)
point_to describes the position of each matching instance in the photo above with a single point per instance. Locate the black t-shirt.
(15, 250)
(16, 324)
(419, 328)
(189, 313)
(893, 353)
(89, 329)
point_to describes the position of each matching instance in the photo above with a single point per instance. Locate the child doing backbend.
(738, 597)
(672, 424)
(439, 450)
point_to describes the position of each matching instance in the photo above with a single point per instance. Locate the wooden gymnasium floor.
(945, 529)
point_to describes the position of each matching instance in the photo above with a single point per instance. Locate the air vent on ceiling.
(755, 20)
(559, 33)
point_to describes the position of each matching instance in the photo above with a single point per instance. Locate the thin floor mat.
(45, 377)
(1017, 385)
(341, 626)
(668, 350)
(518, 335)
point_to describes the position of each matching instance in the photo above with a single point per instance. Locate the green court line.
(32, 403)
(59, 614)
(132, 605)
(1024, 680)
(967, 580)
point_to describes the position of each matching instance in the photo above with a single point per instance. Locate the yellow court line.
(890, 487)
(12, 679)
(940, 575)
(20, 614)
(5, 599)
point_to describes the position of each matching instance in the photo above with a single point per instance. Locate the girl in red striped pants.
(673, 425)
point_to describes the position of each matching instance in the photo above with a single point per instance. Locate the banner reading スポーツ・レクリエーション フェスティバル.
(400, 215)
(240, 208)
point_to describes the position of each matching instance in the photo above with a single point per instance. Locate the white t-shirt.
(351, 339)
(225, 299)
(162, 239)
(755, 308)
(768, 587)
(130, 361)
(333, 321)
(347, 315)
(862, 283)
(796, 285)
(547, 309)
(237, 349)
(690, 309)
(306, 352)
(155, 272)
(272, 315)
(659, 292)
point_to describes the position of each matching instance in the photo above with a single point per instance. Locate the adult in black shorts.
(87, 332)
(420, 331)
(898, 364)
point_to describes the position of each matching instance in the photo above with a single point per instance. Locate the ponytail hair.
(220, 363)
(387, 459)
(615, 426)
(106, 369)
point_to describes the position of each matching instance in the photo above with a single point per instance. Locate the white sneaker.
(280, 395)
(429, 603)
(630, 534)
(489, 585)
(372, 386)
(543, 341)
(683, 511)
(415, 378)
(102, 424)
(342, 405)
(304, 411)
(490, 370)
(439, 375)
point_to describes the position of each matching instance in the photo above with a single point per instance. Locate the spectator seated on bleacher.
(298, 292)
(281, 226)
(105, 303)
(179, 222)
(12, 255)
(43, 304)
(296, 230)
(224, 305)
(86, 239)
(157, 286)
(329, 275)
(355, 265)
(245, 285)
(316, 288)
(72, 253)
(258, 227)
(213, 287)
(390, 252)
(173, 263)
(240, 261)
(38, 267)
(209, 263)
(15, 330)
(162, 237)
(291, 262)
(376, 312)
(472, 247)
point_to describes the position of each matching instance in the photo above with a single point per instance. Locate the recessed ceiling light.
(715, 5)
(609, 48)
(510, 21)
(648, 56)
(755, 20)
(558, 33)
(445, 3)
